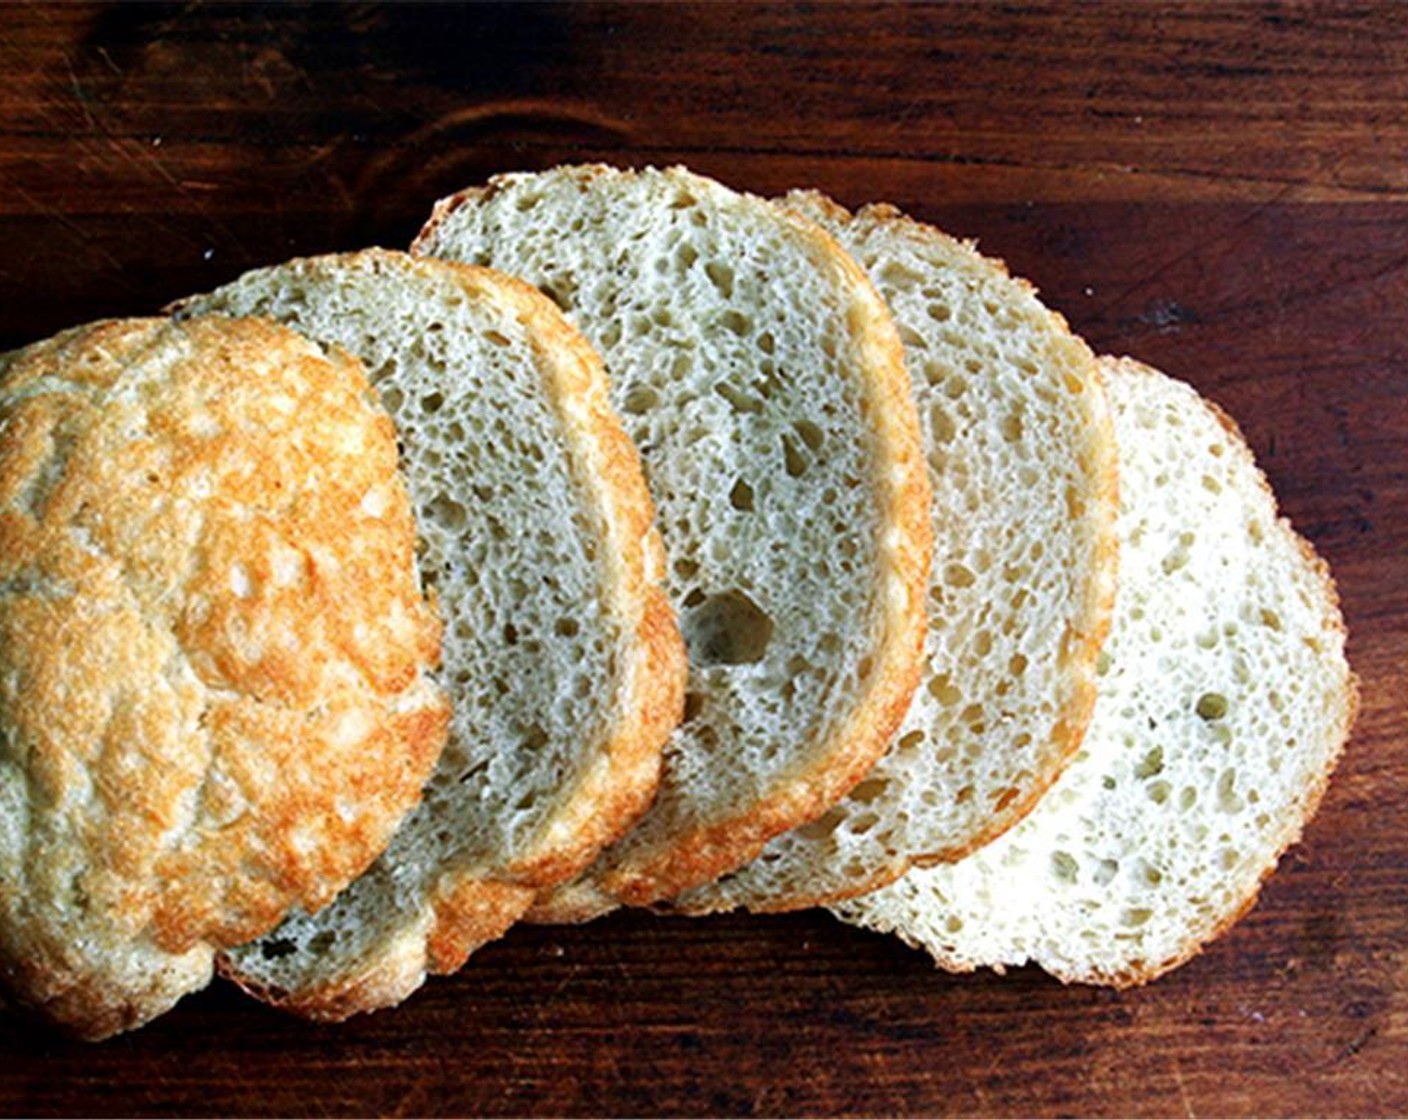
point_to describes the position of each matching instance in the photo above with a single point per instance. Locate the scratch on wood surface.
(412, 1101)
(70, 227)
(79, 93)
(1183, 1096)
(113, 66)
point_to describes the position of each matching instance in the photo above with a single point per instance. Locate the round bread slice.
(761, 377)
(214, 653)
(561, 651)
(1023, 466)
(1225, 699)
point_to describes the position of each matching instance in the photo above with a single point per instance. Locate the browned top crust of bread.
(214, 700)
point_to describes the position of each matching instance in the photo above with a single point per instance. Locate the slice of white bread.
(1225, 699)
(561, 653)
(1023, 465)
(215, 655)
(762, 379)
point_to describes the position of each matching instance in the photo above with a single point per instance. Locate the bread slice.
(561, 652)
(1225, 699)
(762, 379)
(1022, 462)
(215, 700)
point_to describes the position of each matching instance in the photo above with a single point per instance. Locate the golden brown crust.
(214, 645)
(469, 915)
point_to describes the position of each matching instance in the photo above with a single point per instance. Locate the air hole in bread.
(273, 948)
(1064, 867)
(942, 689)
(958, 575)
(393, 399)
(728, 629)
(735, 396)
(741, 496)
(823, 826)
(721, 276)
(1228, 799)
(868, 790)
(560, 292)
(793, 460)
(1151, 765)
(811, 435)
(1211, 706)
(444, 511)
(432, 403)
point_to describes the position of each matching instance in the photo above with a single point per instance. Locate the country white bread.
(561, 652)
(1023, 466)
(761, 377)
(1225, 699)
(215, 700)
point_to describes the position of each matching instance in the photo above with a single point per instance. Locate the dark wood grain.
(1221, 191)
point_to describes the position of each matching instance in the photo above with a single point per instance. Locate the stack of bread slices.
(631, 541)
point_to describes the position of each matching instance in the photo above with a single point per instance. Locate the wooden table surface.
(1221, 191)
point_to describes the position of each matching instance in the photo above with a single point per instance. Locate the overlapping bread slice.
(216, 699)
(1225, 699)
(1022, 461)
(761, 377)
(561, 653)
